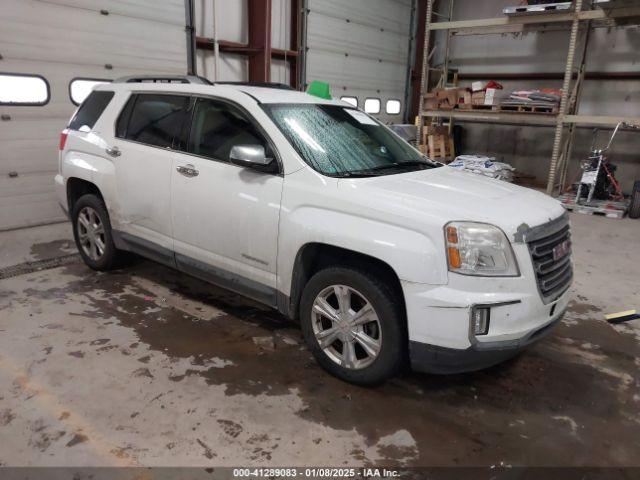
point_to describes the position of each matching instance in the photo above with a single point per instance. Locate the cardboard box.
(477, 86)
(490, 96)
(450, 98)
(430, 101)
(447, 99)
(477, 98)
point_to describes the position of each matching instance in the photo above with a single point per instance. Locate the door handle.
(187, 170)
(113, 151)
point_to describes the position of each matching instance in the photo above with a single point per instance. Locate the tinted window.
(217, 127)
(21, 89)
(156, 119)
(125, 115)
(90, 110)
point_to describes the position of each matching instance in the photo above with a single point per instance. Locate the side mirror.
(252, 156)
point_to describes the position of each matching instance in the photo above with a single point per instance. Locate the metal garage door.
(61, 40)
(361, 48)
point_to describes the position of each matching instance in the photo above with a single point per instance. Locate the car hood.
(445, 194)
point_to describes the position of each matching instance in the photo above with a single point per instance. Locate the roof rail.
(280, 86)
(163, 79)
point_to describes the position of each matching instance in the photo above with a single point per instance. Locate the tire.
(634, 205)
(384, 338)
(100, 254)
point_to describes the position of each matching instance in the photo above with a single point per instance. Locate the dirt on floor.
(146, 366)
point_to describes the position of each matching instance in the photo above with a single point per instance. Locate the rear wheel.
(92, 233)
(353, 325)
(634, 205)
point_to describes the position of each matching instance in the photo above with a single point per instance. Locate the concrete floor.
(146, 366)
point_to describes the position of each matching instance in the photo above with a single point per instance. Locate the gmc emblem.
(561, 250)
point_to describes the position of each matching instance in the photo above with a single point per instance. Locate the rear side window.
(153, 119)
(89, 112)
(217, 127)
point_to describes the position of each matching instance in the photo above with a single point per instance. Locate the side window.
(217, 127)
(123, 120)
(89, 112)
(153, 119)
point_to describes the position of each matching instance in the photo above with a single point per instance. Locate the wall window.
(80, 88)
(20, 89)
(217, 127)
(350, 100)
(154, 119)
(393, 107)
(372, 105)
(90, 111)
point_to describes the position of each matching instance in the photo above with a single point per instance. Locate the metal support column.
(566, 84)
(190, 30)
(260, 40)
(424, 78)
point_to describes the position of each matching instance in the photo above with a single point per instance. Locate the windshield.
(340, 141)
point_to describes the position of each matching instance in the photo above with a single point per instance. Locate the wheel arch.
(314, 256)
(77, 187)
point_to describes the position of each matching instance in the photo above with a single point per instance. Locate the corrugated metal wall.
(231, 20)
(360, 47)
(60, 40)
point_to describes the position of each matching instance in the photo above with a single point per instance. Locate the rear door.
(225, 217)
(146, 132)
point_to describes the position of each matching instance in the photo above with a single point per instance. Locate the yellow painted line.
(49, 403)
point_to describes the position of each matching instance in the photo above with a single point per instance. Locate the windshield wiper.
(398, 165)
(374, 171)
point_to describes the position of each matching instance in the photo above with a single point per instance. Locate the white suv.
(316, 209)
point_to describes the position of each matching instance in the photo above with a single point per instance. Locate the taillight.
(63, 140)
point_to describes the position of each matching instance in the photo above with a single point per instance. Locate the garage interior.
(146, 366)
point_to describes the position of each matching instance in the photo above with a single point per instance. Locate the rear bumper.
(441, 360)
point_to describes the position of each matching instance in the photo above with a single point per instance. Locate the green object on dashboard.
(320, 89)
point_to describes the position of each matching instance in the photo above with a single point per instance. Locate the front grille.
(553, 275)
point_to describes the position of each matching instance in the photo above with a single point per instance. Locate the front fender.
(413, 255)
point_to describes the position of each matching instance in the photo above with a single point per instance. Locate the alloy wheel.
(91, 233)
(346, 327)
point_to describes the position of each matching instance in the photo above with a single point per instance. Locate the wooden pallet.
(440, 146)
(469, 106)
(605, 208)
(548, 109)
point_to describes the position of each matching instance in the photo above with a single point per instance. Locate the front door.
(225, 217)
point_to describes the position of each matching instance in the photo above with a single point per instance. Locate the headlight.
(479, 249)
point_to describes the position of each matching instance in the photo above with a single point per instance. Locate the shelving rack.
(600, 15)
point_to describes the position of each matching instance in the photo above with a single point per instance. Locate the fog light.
(480, 320)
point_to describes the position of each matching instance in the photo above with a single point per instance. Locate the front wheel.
(353, 325)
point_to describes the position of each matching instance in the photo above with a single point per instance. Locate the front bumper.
(441, 338)
(441, 360)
